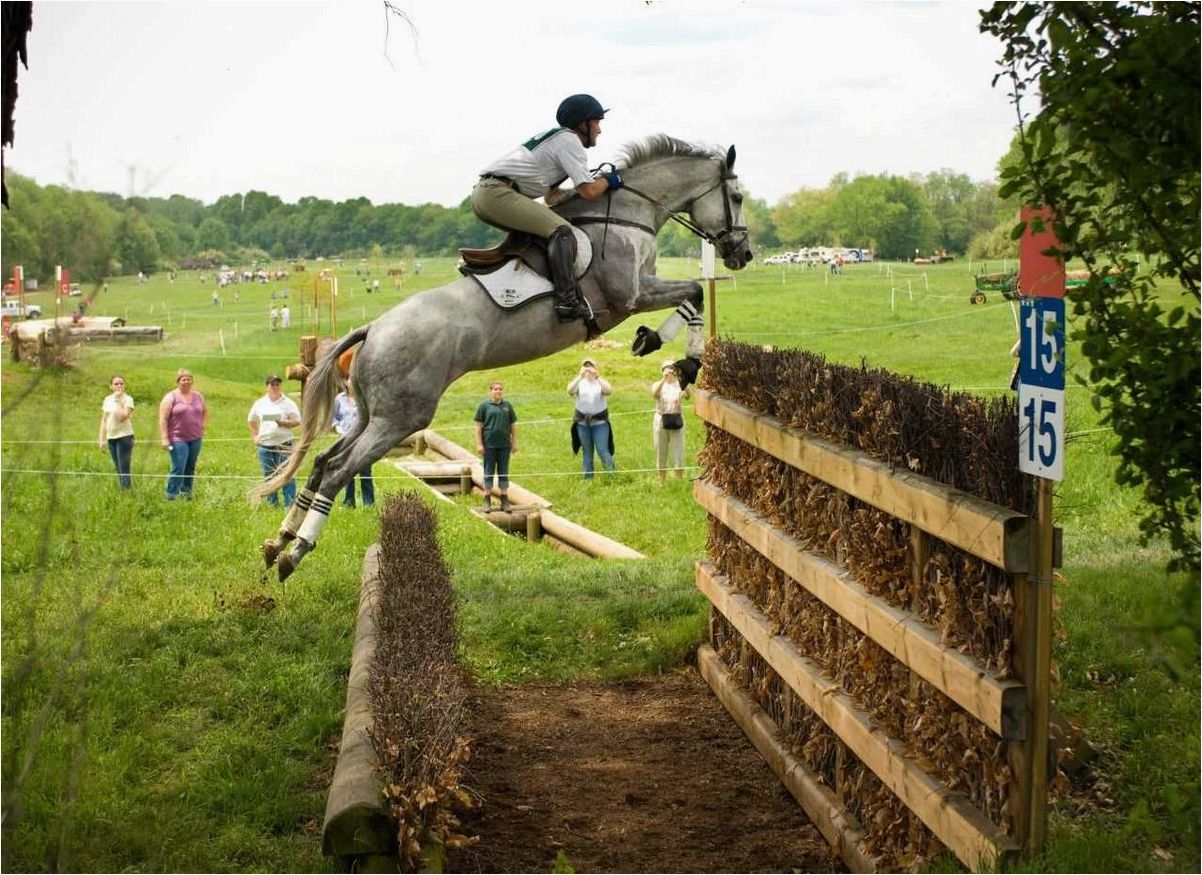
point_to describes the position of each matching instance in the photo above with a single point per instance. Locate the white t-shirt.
(268, 414)
(543, 162)
(589, 398)
(114, 427)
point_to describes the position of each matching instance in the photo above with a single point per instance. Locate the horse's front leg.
(655, 294)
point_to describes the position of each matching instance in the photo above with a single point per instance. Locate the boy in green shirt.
(496, 439)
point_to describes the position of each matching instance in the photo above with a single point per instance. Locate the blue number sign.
(1041, 388)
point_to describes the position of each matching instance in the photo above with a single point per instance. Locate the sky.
(343, 100)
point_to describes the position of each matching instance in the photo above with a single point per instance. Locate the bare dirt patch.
(641, 776)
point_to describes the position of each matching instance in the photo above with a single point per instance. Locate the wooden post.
(1040, 644)
(712, 306)
(534, 526)
(465, 483)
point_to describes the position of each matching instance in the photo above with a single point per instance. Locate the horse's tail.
(320, 388)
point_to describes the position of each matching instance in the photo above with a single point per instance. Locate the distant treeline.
(101, 234)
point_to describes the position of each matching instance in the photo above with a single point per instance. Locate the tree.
(137, 246)
(761, 230)
(802, 218)
(212, 234)
(1114, 152)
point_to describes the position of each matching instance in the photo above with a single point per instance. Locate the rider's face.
(594, 131)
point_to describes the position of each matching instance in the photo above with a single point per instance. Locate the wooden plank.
(968, 833)
(999, 704)
(586, 540)
(452, 469)
(837, 825)
(986, 530)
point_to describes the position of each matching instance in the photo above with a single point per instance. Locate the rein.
(674, 215)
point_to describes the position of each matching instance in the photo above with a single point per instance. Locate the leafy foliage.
(1114, 152)
(892, 214)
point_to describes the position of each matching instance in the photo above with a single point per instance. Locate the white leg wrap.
(694, 340)
(315, 519)
(297, 513)
(685, 313)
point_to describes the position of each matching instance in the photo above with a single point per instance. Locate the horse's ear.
(730, 158)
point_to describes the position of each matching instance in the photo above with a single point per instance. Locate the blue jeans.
(366, 487)
(594, 437)
(122, 451)
(270, 459)
(496, 459)
(183, 467)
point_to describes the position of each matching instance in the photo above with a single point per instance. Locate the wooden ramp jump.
(457, 471)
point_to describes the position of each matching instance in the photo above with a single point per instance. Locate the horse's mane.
(662, 146)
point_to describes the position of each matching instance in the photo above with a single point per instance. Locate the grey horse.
(412, 353)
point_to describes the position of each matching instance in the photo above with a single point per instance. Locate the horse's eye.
(737, 198)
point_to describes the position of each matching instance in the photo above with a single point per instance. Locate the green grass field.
(160, 715)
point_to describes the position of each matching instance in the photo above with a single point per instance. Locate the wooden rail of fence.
(995, 534)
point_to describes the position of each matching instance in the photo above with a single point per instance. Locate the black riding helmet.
(579, 108)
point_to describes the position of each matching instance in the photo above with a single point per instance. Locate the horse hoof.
(287, 566)
(271, 552)
(646, 341)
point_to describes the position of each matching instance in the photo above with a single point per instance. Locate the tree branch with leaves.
(1113, 150)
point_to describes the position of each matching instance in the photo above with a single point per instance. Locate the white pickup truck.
(13, 309)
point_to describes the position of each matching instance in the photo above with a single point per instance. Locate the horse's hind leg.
(354, 454)
(296, 514)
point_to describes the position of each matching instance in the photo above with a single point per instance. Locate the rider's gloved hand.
(614, 180)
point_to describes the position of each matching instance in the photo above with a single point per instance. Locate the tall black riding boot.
(561, 256)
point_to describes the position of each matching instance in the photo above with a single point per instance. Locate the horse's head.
(718, 211)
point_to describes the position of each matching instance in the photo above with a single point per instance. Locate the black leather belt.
(504, 179)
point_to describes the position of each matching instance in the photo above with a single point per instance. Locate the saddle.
(531, 250)
(517, 271)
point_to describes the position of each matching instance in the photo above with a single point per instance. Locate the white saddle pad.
(513, 284)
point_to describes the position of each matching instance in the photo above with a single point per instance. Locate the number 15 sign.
(1041, 388)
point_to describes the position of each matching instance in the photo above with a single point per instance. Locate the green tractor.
(1003, 281)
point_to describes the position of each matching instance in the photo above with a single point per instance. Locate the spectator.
(346, 418)
(590, 419)
(496, 440)
(273, 319)
(117, 429)
(285, 317)
(667, 426)
(183, 416)
(271, 420)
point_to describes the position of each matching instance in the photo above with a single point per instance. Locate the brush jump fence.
(871, 624)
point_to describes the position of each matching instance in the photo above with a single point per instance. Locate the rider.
(505, 195)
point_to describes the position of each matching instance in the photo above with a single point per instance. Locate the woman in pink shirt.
(182, 418)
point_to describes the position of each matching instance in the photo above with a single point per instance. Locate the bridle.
(724, 177)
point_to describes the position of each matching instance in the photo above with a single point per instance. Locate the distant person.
(667, 426)
(273, 318)
(505, 196)
(117, 429)
(216, 299)
(183, 416)
(346, 418)
(271, 420)
(590, 417)
(285, 317)
(496, 440)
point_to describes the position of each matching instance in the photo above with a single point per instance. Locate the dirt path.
(642, 776)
